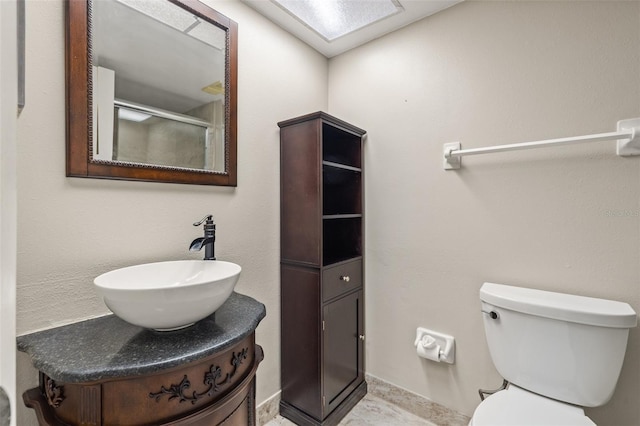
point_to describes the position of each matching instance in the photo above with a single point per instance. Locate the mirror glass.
(161, 93)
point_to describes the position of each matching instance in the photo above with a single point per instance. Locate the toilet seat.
(516, 406)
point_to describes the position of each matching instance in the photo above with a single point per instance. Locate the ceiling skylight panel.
(332, 19)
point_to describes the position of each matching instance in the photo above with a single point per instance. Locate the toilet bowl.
(547, 345)
(517, 407)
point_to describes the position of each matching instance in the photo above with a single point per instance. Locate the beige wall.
(482, 73)
(8, 208)
(71, 230)
(488, 73)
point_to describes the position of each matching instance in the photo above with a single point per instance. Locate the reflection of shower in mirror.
(145, 114)
(140, 134)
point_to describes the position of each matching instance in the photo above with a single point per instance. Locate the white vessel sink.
(168, 296)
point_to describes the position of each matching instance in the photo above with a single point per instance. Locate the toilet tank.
(562, 346)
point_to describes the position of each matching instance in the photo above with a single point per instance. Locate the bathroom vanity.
(105, 371)
(322, 286)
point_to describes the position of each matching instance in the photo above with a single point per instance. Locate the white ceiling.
(414, 10)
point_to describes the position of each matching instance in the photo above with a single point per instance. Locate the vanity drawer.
(341, 279)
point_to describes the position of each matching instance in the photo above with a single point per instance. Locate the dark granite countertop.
(108, 347)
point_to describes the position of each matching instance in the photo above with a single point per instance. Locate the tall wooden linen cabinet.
(322, 306)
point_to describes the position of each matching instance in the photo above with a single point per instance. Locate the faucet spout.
(208, 241)
(198, 243)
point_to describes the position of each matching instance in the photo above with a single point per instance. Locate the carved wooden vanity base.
(211, 391)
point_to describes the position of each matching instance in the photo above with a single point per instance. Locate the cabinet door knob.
(345, 278)
(361, 337)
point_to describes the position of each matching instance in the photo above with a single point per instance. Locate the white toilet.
(559, 352)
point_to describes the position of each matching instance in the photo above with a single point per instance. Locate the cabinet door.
(343, 349)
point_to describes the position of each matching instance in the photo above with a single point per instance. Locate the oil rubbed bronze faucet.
(209, 239)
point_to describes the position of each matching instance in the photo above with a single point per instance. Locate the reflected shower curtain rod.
(628, 136)
(162, 113)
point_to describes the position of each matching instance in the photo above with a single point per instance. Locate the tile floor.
(371, 411)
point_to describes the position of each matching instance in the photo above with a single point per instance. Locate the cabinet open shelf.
(341, 147)
(342, 239)
(342, 191)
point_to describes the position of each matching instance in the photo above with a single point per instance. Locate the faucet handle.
(208, 218)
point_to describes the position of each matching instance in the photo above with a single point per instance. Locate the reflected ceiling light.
(332, 19)
(214, 88)
(132, 115)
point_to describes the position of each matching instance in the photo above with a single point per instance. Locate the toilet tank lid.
(560, 306)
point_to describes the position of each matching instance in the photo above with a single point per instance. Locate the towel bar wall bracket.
(627, 136)
(629, 146)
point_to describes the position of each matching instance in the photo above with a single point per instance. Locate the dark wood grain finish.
(80, 97)
(90, 412)
(322, 216)
(77, 75)
(132, 400)
(301, 339)
(300, 193)
(322, 116)
(343, 349)
(340, 279)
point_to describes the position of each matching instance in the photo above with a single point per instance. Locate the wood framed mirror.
(151, 91)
